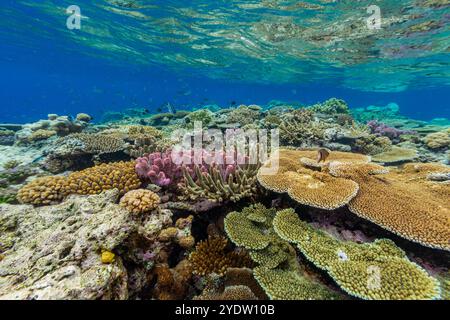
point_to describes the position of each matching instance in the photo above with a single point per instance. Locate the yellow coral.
(140, 201)
(379, 270)
(107, 257)
(47, 190)
(438, 140)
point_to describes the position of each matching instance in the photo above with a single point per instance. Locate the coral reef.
(331, 107)
(398, 201)
(438, 140)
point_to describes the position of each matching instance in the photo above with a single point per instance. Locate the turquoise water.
(193, 53)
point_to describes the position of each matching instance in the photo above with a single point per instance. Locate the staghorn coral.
(438, 140)
(352, 265)
(140, 201)
(278, 271)
(310, 187)
(372, 144)
(47, 190)
(212, 256)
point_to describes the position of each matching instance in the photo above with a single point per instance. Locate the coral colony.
(357, 207)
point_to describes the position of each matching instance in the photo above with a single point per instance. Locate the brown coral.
(172, 283)
(395, 154)
(140, 201)
(212, 256)
(117, 175)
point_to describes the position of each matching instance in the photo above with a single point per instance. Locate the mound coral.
(140, 201)
(308, 186)
(395, 154)
(379, 270)
(438, 140)
(212, 256)
(47, 190)
(172, 283)
(278, 271)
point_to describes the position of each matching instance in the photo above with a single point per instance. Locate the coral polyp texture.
(277, 271)
(378, 270)
(140, 201)
(47, 190)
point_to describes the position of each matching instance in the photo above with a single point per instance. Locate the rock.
(55, 252)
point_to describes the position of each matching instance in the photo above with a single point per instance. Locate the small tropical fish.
(322, 155)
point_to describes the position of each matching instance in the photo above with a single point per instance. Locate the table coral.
(395, 155)
(140, 201)
(278, 271)
(352, 265)
(212, 256)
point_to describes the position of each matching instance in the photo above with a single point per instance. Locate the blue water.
(46, 68)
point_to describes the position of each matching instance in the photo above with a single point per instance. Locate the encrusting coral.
(47, 190)
(140, 201)
(212, 256)
(278, 271)
(379, 270)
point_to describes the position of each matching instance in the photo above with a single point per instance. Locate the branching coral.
(278, 271)
(212, 256)
(140, 201)
(379, 270)
(381, 129)
(47, 190)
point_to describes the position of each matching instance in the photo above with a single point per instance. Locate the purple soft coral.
(381, 129)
